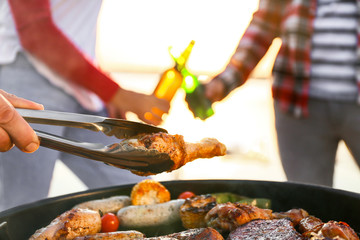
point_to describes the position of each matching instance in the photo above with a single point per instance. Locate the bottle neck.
(180, 61)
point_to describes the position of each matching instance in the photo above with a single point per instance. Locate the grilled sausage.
(113, 235)
(106, 205)
(150, 215)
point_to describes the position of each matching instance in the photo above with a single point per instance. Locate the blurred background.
(132, 45)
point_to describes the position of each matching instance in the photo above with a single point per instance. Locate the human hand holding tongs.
(113, 154)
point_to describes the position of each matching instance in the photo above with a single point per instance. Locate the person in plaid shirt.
(316, 80)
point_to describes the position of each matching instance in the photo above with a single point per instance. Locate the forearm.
(41, 38)
(258, 37)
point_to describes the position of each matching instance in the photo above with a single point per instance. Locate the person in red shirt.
(47, 52)
(41, 38)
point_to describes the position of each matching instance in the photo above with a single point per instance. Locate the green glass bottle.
(171, 80)
(198, 104)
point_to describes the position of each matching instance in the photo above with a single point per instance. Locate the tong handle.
(109, 126)
(61, 118)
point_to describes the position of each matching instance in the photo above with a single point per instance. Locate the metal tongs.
(138, 159)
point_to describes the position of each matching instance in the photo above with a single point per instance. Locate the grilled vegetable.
(232, 197)
(150, 215)
(225, 197)
(193, 211)
(106, 205)
(149, 192)
(257, 202)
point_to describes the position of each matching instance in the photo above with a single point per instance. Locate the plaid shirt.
(292, 21)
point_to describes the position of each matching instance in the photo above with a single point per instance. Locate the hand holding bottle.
(197, 102)
(214, 90)
(148, 108)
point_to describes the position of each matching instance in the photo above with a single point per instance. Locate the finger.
(21, 102)
(164, 107)
(111, 111)
(20, 132)
(151, 118)
(121, 114)
(157, 111)
(5, 141)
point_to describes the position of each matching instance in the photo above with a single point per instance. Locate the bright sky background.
(134, 36)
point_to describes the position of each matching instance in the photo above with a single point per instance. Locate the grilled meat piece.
(295, 215)
(207, 233)
(192, 234)
(73, 223)
(228, 216)
(206, 148)
(160, 238)
(274, 229)
(313, 228)
(113, 235)
(194, 210)
(310, 225)
(333, 230)
(180, 152)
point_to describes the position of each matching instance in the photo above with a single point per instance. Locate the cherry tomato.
(109, 223)
(186, 195)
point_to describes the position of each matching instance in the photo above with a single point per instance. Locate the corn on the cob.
(149, 192)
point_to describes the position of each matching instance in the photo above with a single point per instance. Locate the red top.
(44, 40)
